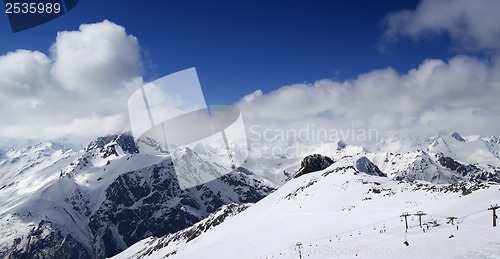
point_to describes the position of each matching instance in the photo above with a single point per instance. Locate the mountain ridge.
(343, 212)
(107, 196)
(104, 198)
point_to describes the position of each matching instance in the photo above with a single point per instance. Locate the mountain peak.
(107, 145)
(457, 136)
(313, 163)
(366, 166)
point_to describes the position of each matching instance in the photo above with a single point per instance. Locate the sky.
(240, 46)
(396, 66)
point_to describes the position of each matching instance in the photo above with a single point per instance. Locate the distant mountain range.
(96, 202)
(416, 201)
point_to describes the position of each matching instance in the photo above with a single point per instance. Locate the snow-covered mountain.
(95, 202)
(347, 202)
(343, 212)
(98, 201)
(445, 158)
(153, 245)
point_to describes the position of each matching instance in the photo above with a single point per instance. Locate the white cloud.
(459, 95)
(19, 69)
(471, 24)
(80, 90)
(96, 60)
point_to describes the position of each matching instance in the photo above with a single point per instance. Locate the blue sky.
(400, 67)
(241, 46)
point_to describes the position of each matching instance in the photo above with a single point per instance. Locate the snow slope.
(340, 212)
(404, 158)
(96, 202)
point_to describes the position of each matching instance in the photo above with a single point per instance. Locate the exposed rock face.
(149, 202)
(470, 172)
(44, 241)
(313, 163)
(451, 164)
(183, 236)
(458, 137)
(366, 166)
(108, 196)
(107, 145)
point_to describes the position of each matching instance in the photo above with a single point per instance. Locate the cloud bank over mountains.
(461, 94)
(458, 95)
(81, 88)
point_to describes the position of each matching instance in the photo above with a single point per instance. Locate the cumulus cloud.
(461, 94)
(458, 95)
(80, 90)
(470, 24)
(97, 59)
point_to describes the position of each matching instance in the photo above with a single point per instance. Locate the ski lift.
(359, 233)
(374, 228)
(350, 234)
(401, 219)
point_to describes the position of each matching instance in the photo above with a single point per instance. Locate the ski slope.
(340, 212)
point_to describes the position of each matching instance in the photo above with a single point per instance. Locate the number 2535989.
(32, 8)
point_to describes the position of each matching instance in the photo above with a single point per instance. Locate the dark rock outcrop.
(457, 136)
(313, 163)
(364, 165)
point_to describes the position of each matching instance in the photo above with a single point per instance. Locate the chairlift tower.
(405, 215)
(494, 208)
(420, 214)
(451, 219)
(299, 247)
